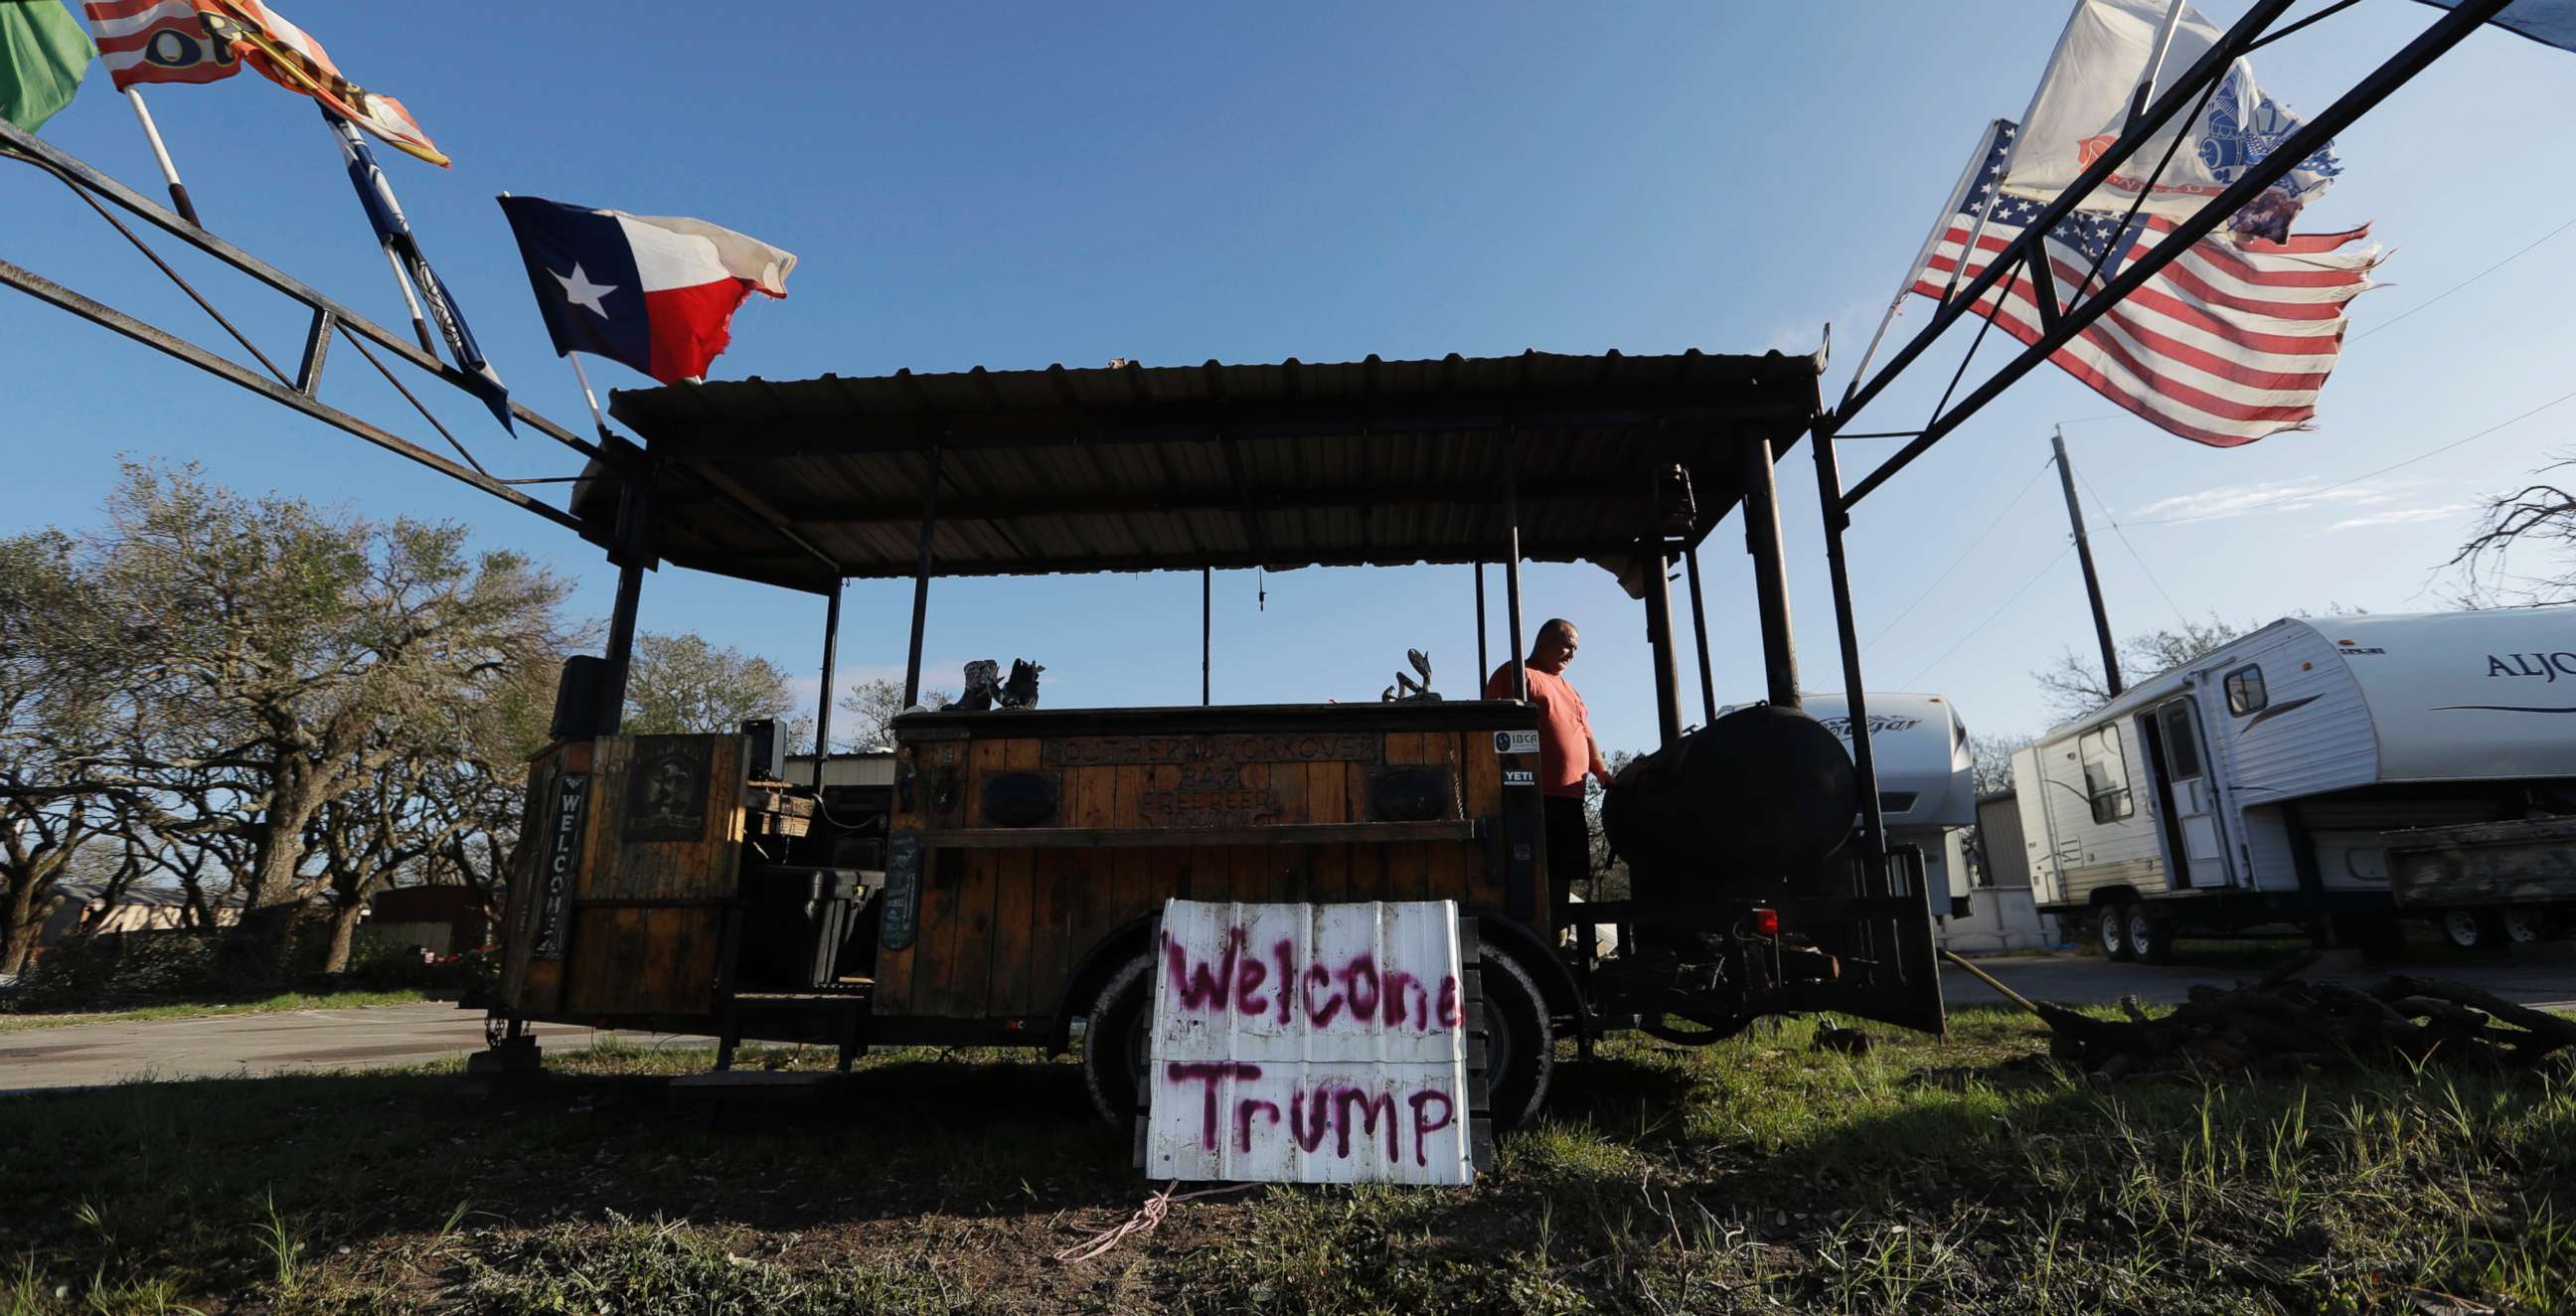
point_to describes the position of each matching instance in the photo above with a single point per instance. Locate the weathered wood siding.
(645, 912)
(1000, 927)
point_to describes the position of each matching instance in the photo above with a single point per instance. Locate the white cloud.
(2401, 516)
(2300, 495)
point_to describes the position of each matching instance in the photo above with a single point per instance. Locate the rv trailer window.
(2106, 774)
(2245, 692)
(2182, 752)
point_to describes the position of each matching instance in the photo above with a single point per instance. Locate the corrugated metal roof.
(1134, 468)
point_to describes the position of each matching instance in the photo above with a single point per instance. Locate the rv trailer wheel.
(2466, 929)
(2113, 923)
(2523, 926)
(2150, 936)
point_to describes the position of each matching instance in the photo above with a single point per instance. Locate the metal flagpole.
(343, 135)
(169, 172)
(1931, 242)
(1969, 252)
(411, 303)
(596, 416)
(2155, 66)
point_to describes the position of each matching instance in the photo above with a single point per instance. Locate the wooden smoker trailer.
(1007, 885)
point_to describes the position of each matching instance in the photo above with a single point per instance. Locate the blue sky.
(1012, 186)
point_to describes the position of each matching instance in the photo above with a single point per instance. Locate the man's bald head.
(1556, 644)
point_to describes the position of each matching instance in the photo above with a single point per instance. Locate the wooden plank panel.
(1021, 752)
(935, 942)
(1408, 747)
(1093, 792)
(1408, 871)
(894, 968)
(966, 976)
(1091, 875)
(1331, 879)
(1132, 870)
(1014, 935)
(1287, 782)
(1129, 782)
(1205, 877)
(1248, 872)
(1167, 879)
(688, 938)
(968, 982)
(1368, 872)
(1450, 862)
(1090, 891)
(1327, 792)
(599, 846)
(1050, 909)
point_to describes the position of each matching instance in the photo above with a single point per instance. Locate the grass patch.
(353, 1000)
(1960, 1174)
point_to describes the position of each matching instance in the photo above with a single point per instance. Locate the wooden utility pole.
(2092, 579)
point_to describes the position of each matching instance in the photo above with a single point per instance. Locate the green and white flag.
(43, 53)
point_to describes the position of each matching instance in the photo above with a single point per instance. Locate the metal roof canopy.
(1134, 468)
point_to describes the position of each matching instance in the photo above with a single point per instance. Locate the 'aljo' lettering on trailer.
(1311, 1043)
(2547, 666)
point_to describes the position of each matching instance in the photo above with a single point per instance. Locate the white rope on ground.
(1145, 1220)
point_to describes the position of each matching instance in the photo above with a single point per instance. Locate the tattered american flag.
(2227, 344)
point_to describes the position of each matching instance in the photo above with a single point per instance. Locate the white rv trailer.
(2273, 779)
(1926, 780)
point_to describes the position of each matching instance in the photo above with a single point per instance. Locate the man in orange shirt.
(1566, 749)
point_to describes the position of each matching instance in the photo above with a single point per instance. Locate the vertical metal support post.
(1483, 666)
(1770, 574)
(921, 581)
(2092, 580)
(630, 554)
(1512, 581)
(1207, 631)
(823, 705)
(621, 645)
(1837, 517)
(1659, 638)
(1699, 630)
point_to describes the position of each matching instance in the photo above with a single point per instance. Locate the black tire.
(1115, 1043)
(1520, 1040)
(2111, 924)
(2150, 936)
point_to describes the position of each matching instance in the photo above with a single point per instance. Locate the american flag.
(2227, 344)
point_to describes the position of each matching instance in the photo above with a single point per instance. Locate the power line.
(2428, 302)
(2304, 494)
(1959, 561)
(2134, 554)
(1980, 627)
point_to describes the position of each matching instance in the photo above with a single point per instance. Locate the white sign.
(1515, 742)
(1309, 1044)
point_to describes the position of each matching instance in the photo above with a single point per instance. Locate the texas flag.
(655, 292)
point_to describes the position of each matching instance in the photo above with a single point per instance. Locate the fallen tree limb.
(2279, 1025)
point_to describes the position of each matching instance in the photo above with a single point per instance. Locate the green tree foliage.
(679, 684)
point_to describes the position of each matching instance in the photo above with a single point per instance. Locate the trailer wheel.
(2523, 926)
(1116, 1045)
(2467, 929)
(2112, 923)
(2150, 936)
(1520, 1039)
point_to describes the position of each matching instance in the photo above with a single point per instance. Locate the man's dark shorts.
(1569, 841)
